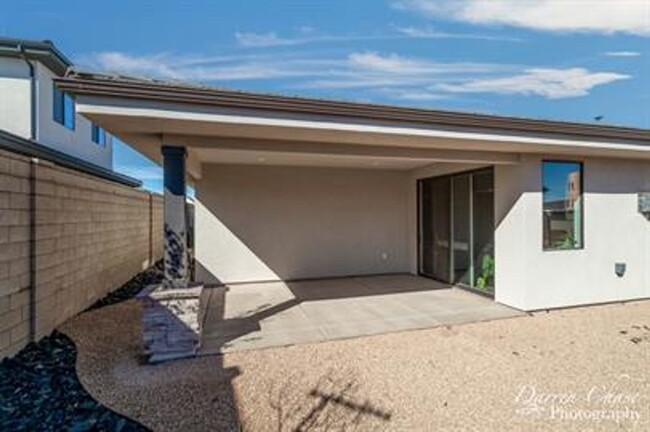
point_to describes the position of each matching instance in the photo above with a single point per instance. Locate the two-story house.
(32, 107)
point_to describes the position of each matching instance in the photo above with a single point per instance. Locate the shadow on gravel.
(39, 388)
(336, 402)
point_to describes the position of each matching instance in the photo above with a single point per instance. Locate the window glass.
(483, 230)
(69, 111)
(563, 202)
(57, 104)
(98, 135)
(63, 108)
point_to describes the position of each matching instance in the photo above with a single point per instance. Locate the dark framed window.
(63, 108)
(98, 135)
(563, 205)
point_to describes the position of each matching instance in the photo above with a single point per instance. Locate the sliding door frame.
(420, 222)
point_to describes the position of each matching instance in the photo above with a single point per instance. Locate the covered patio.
(263, 315)
(289, 189)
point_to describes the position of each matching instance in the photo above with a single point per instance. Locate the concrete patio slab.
(262, 315)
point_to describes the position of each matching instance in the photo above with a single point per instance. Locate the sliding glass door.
(435, 239)
(461, 229)
(457, 229)
(483, 230)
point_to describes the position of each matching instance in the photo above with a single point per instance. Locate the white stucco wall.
(256, 223)
(77, 142)
(614, 231)
(15, 112)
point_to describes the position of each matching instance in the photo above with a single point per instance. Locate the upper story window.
(63, 108)
(98, 135)
(563, 205)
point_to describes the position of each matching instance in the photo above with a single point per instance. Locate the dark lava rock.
(39, 389)
(150, 276)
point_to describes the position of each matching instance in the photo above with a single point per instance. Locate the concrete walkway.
(262, 315)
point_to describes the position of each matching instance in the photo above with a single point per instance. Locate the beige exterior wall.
(257, 223)
(91, 236)
(614, 231)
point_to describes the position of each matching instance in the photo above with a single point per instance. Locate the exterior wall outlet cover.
(619, 269)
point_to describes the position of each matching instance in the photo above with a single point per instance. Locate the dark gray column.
(175, 220)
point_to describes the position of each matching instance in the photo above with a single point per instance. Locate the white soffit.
(143, 117)
(229, 156)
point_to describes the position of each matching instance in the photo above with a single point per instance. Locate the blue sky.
(558, 59)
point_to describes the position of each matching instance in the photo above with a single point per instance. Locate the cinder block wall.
(91, 235)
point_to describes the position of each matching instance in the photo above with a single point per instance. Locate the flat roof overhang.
(220, 126)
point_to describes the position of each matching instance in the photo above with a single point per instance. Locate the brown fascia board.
(82, 83)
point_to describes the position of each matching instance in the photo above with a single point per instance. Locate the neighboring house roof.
(96, 84)
(17, 144)
(43, 51)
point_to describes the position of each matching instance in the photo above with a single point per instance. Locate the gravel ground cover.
(183, 395)
(39, 388)
(573, 369)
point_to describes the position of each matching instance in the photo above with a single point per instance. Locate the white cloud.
(264, 39)
(204, 69)
(307, 35)
(431, 33)
(393, 63)
(600, 16)
(549, 83)
(306, 29)
(411, 78)
(374, 70)
(622, 54)
(410, 94)
(154, 65)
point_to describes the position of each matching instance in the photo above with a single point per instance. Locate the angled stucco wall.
(257, 223)
(614, 231)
